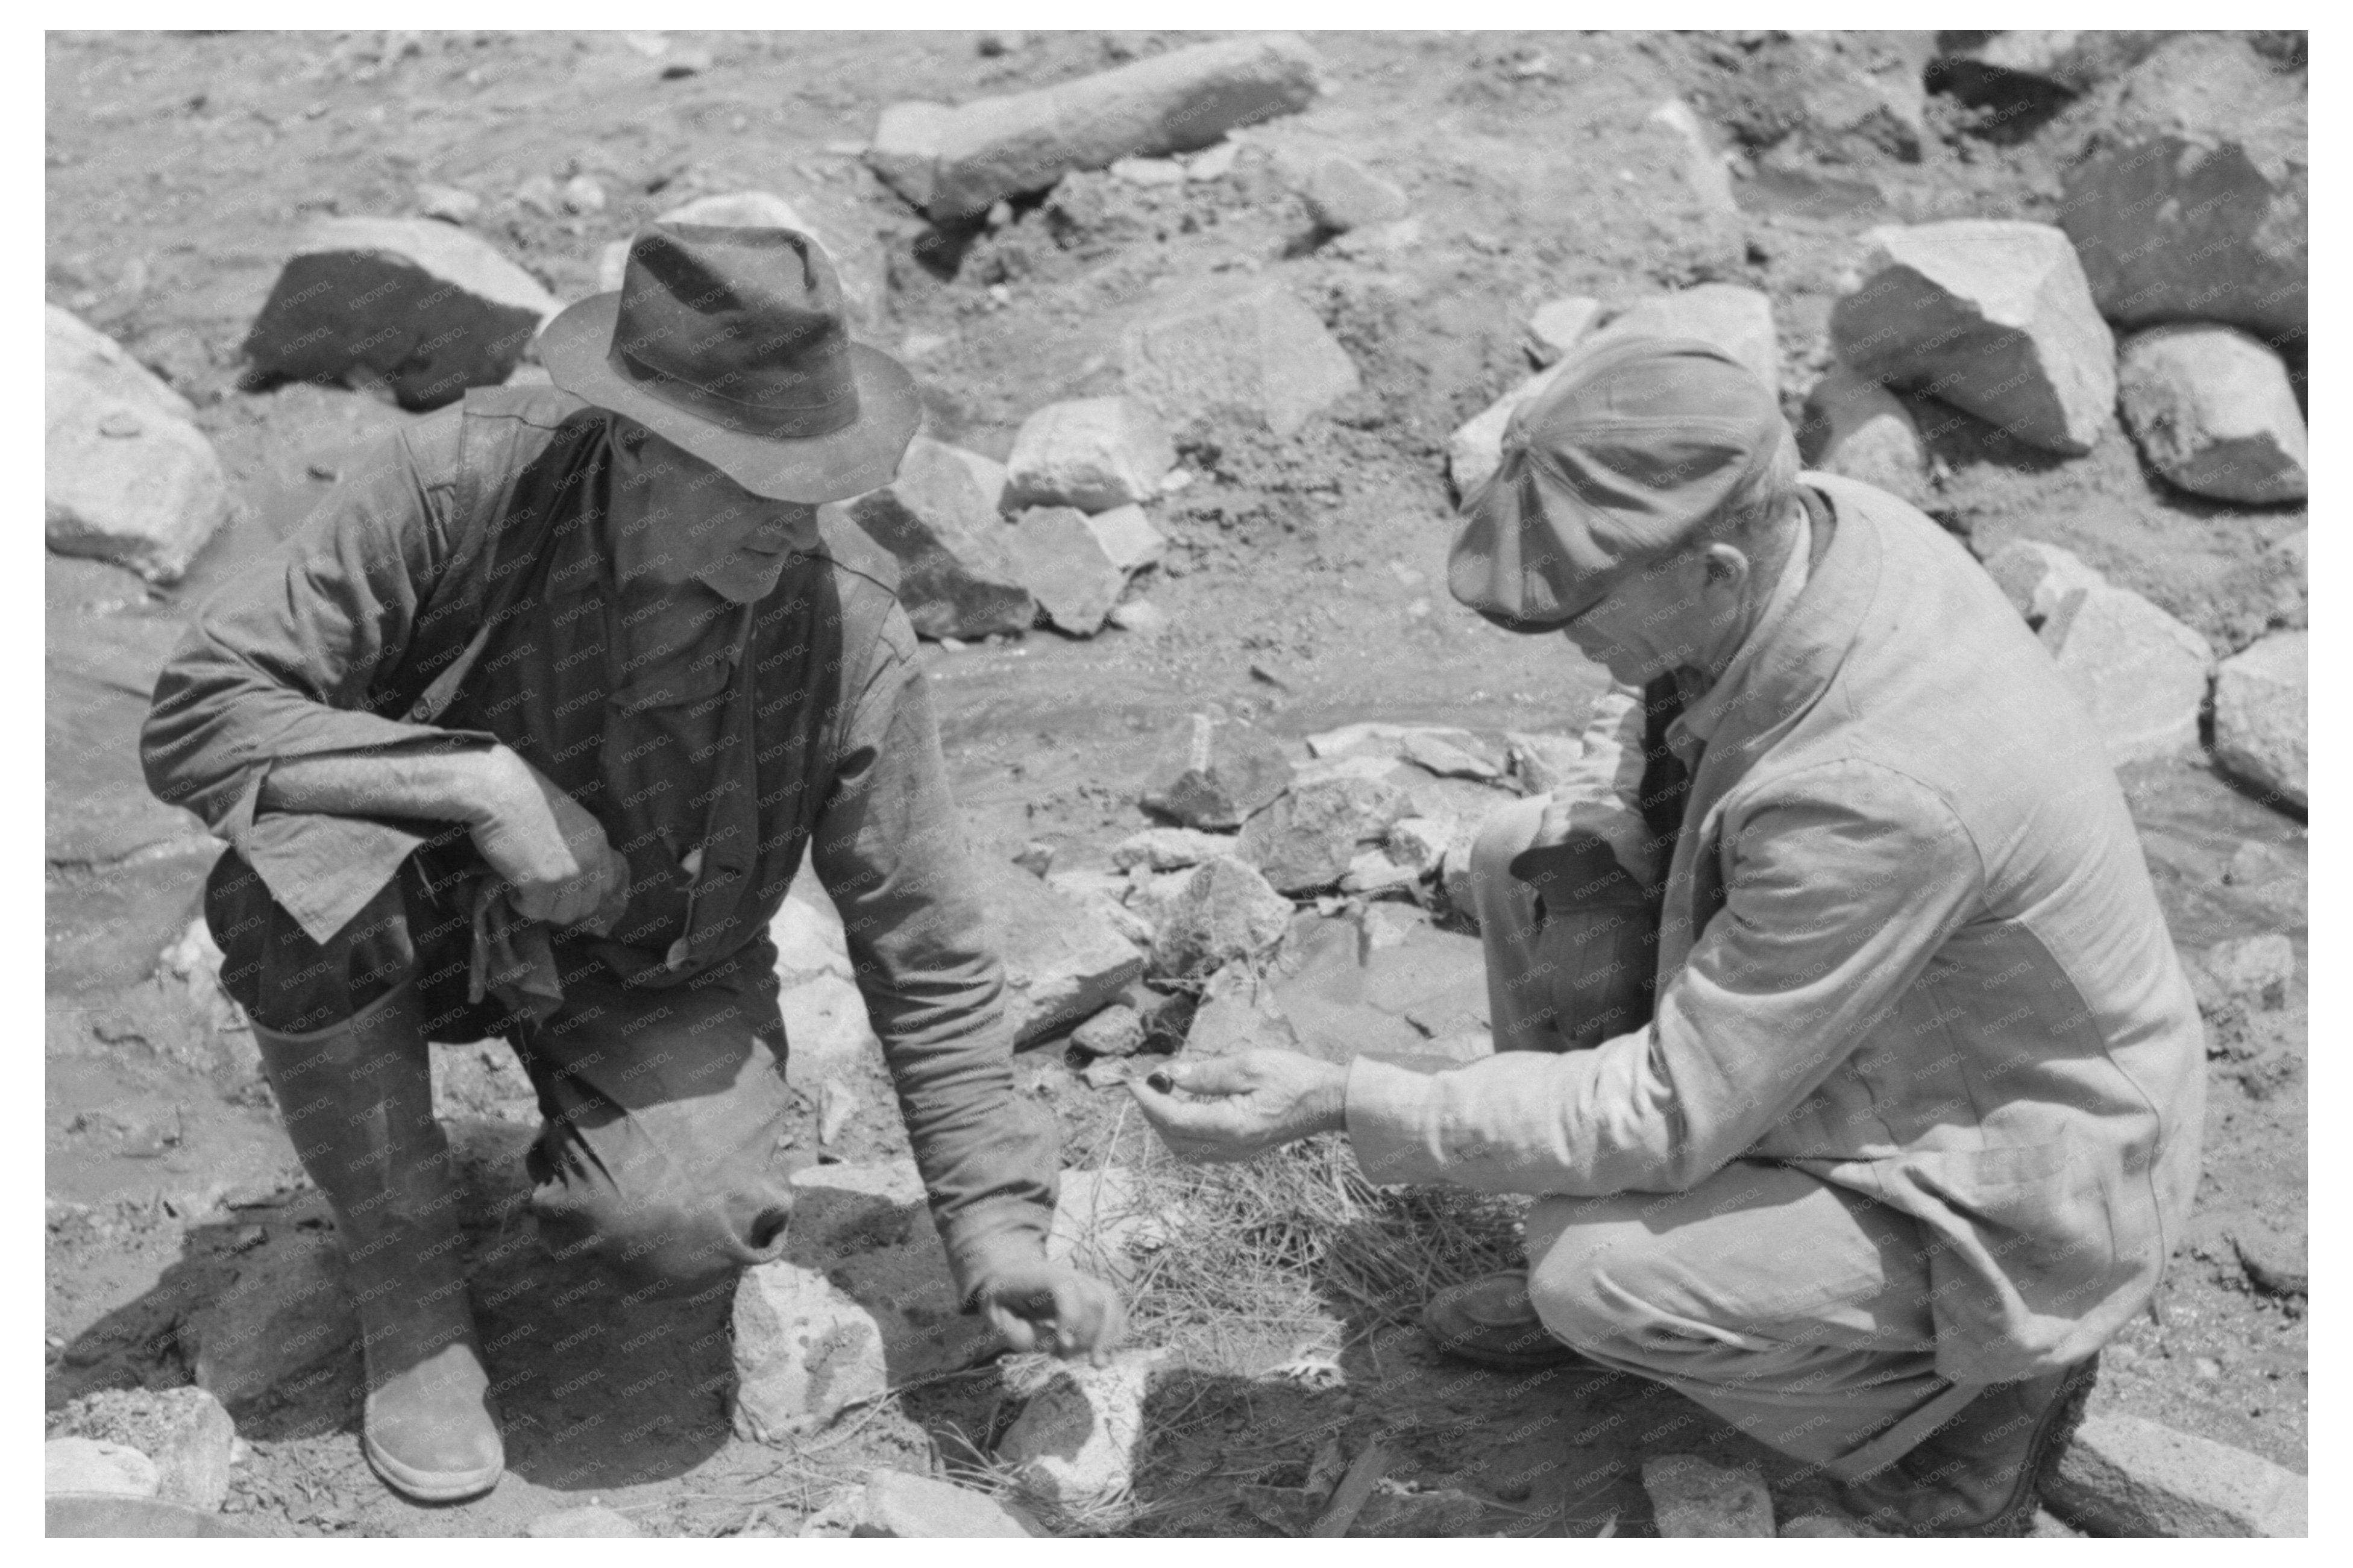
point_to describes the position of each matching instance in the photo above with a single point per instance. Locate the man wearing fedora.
(524, 734)
(1890, 1118)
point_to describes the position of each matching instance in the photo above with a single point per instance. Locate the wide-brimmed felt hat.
(732, 343)
(1637, 444)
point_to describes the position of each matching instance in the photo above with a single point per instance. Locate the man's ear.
(1727, 567)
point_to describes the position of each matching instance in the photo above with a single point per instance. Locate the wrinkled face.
(693, 513)
(1678, 614)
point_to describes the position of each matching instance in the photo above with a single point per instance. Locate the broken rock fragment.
(1060, 561)
(1557, 326)
(895, 1503)
(954, 163)
(128, 477)
(1990, 315)
(1062, 964)
(1309, 838)
(957, 578)
(1255, 349)
(424, 308)
(1476, 448)
(805, 1350)
(1225, 912)
(2213, 412)
(183, 1431)
(1857, 429)
(1342, 193)
(90, 1465)
(2038, 577)
(1075, 1443)
(2141, 673)
(2261, 697)
(1127, 537)
(1092, 453)
(1216, 773)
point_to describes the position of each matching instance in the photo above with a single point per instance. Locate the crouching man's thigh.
(1758, 1258)
(667, 1122)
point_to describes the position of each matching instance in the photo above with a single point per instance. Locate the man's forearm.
(453, 785)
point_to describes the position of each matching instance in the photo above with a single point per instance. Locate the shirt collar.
(1691, 729)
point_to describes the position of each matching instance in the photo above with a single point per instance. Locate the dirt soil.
(1305, 588)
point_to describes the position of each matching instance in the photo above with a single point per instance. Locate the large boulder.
(1737, 319)
(861, 264)
(128, 477)
(418, 307)
(2189, 204)
(2213, 412)
(957, 578)
(2141, 673)
(954, 163)
(1063, 963)
(1990, 315)
(1253, 349)
(1092, 453)
(1857, 429)
(2260, 695)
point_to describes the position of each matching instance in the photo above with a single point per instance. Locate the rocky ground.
(1302, 588)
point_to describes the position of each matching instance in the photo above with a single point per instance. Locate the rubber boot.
(358, 1102)
(1981, 1473)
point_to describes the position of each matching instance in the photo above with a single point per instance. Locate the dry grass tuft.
(1297, 1252)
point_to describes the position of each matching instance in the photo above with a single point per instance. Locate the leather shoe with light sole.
(1982, 1472)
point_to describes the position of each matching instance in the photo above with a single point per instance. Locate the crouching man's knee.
(662, 1243)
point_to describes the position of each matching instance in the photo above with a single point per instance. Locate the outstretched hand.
(1246, 1105)
(1053, 1307)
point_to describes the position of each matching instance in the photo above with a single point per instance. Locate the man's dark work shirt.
(712, 722)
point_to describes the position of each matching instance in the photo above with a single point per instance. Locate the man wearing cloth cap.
(524, 734)
(1914, 1122)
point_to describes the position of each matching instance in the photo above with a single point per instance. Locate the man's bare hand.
(547, 847)
(1250, 1103)
(1053, 1307)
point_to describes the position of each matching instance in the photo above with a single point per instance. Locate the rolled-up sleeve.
(1841, 881)
(279, 664)
(891, 851)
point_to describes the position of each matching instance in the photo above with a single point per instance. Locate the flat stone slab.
(2123, 1475)
(1063, 963)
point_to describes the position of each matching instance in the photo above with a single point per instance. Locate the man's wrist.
(1329, 1101)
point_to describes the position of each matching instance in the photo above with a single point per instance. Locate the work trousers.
(1796, 1310)
(664, 1112)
